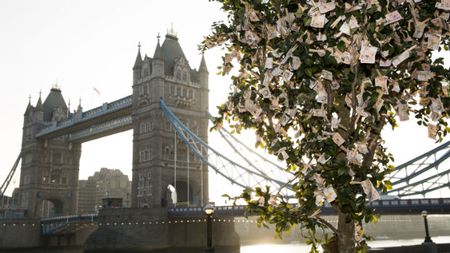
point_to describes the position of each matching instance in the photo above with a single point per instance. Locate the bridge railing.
(394, 206)
(114, 124)
(98, 111)
(198, 211)
(53, 224)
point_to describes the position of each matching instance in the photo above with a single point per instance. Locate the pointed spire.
(39, 106)
(171, 32)
(158, 50)
(68, 108)
(80, 109)
(203, 67)
(138, 62)
(29, 107)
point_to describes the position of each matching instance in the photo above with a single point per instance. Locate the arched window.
(55, 176)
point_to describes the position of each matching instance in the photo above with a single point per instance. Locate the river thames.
(300, 248)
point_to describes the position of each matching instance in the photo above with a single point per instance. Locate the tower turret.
(137, 68)
(203, 79)
(28, 115)
(29, 108)
(203, 72)
(158, 62)
(55, 108)
(49, 169)
(155, 156)
(39, 110)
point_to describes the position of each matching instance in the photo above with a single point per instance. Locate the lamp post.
(209, 210)
(427, 232)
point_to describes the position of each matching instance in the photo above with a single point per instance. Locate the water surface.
(300, 247)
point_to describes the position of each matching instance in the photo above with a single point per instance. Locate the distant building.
(106, 183)
(9, 206)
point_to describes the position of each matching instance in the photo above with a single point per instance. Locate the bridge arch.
(51, 208)
(52, 136)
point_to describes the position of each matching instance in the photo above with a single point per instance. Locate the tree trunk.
(346, 234)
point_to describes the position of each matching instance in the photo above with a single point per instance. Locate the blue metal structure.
(390, 207)
(422, 175)
(237, 174)
(9, 177)
(92, 124)
(66, 224)
(70, 224)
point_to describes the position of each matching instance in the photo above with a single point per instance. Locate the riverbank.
(377, 246)
(422, 248)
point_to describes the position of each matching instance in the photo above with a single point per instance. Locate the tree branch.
(326, 223)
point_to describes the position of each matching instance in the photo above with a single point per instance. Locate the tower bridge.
(168, 114)
(53, 136)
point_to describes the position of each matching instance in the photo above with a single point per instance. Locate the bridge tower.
(159, 157)
(49, 173)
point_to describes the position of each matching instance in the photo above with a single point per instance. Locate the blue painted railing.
(88, 115)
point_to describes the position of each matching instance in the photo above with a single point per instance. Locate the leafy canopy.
(318, 81)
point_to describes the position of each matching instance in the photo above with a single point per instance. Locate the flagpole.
(175, 162)
(187, 151)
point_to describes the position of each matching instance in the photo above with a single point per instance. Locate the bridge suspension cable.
(9, 177)
(235, 173)
(423, 174)
(257, 161)
(224, 133)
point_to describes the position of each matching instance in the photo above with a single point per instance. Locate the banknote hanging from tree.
(318, 81)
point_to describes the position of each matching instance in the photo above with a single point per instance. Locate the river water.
(301, 248)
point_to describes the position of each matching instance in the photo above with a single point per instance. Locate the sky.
(81, 45)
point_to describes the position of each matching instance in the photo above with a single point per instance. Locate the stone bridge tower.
(49, 173)
(160, 158)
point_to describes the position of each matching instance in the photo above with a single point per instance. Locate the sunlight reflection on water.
(297, 248)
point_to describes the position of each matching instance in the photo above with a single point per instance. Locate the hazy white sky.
(85, 44)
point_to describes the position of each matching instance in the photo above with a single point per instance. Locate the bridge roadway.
(67, 224)
(104, 120)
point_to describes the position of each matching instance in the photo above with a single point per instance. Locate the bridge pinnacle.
(203, 65)
(171, 31)
(80, 108)
(138, 62)
(39, 105)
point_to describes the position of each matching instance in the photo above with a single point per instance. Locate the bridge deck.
(67, 224)
(92, 119)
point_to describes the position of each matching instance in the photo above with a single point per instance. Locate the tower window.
(27, 179)
(145, 154)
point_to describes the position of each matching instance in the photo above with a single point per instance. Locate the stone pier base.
(152, 230)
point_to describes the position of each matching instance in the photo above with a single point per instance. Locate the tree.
(318, 80)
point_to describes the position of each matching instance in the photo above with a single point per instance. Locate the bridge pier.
(154, 230)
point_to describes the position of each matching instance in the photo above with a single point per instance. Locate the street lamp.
(209, 210)
(427, 232)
